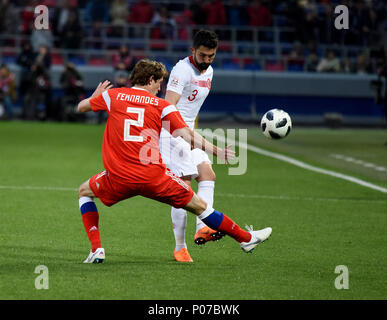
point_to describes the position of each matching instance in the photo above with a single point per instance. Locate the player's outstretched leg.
(203, 232)
(219, 221)
(179, 223)
(90, 219)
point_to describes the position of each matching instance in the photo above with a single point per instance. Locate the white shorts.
(179, 157)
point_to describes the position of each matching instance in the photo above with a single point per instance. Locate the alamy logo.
(41, 281)
(342, 280)
(41, 18)
(342, 20)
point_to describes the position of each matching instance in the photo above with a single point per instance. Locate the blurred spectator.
(359, 21)
(123, 59)
(311, 47)
(311, 27)
(8, 94)
(97, 10)
(363, 21)
(295, 59)
(27, 16)
(41, 38)
(258, 14)
(199, 16)
(121, 78)
(53, 3)
(216, 12)
(97, 33)
(296, 18)
(71, 34)
(347, 65)
(141, 12)
(60, 17)
(37, 99)
(330, 63)
(380, 9)
(43, 58)
(183, 21)
(25, 60)
(312, 62)
(119, 13)
(362, 65)
(236, 14)
(370, 34)
(9, 19)
(164, 26)
(72, 83)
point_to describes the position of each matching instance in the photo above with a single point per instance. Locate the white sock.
(206, 192)
(179, 223)
(83, 200)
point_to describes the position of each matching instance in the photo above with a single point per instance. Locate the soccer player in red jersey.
(132, 160)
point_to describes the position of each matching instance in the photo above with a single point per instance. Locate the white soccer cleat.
(257, 237)
(98, 256)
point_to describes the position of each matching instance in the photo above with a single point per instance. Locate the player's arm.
(174, 123)
(84, 105)
(172, 97)
(198, 141)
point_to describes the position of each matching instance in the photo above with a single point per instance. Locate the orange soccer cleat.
(207, 234)
(182, 255)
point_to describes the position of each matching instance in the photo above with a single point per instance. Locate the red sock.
(230, 228)
(90, 221)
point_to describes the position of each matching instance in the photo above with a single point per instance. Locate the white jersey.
(192, 86)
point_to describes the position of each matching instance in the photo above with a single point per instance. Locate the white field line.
(262, 196)
(38, 188)
(228, 195)
(305, 165)
(359, 162)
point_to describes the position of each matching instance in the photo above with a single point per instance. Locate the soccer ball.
(276, 124)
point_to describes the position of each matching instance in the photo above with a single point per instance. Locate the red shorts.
(166, 188)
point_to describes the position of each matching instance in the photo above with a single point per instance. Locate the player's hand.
(106, 85)
(226, 154)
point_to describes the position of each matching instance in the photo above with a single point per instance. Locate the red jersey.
(130, 148)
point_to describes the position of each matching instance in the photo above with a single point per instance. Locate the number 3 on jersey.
(193, 96)
(131, 122)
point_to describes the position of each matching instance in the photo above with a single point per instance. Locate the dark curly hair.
(205, 38)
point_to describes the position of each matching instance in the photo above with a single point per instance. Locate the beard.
(201, 66)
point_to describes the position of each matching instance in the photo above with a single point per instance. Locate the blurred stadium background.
(284, 54)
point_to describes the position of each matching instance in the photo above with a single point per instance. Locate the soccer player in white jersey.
(188, 86)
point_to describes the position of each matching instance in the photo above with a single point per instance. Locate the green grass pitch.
(319, 222)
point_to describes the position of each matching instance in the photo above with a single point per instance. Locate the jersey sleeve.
(172, 119)
(101, 102)
(178, 79)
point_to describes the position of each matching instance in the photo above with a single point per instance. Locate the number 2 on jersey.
(131, 122)
(194, 94)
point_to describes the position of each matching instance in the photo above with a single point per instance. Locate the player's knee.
(201, 205)
(197, 205)
(82, 190)
(206, 173)
(208, 176)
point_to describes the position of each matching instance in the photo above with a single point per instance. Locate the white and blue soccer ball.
(276, 124)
